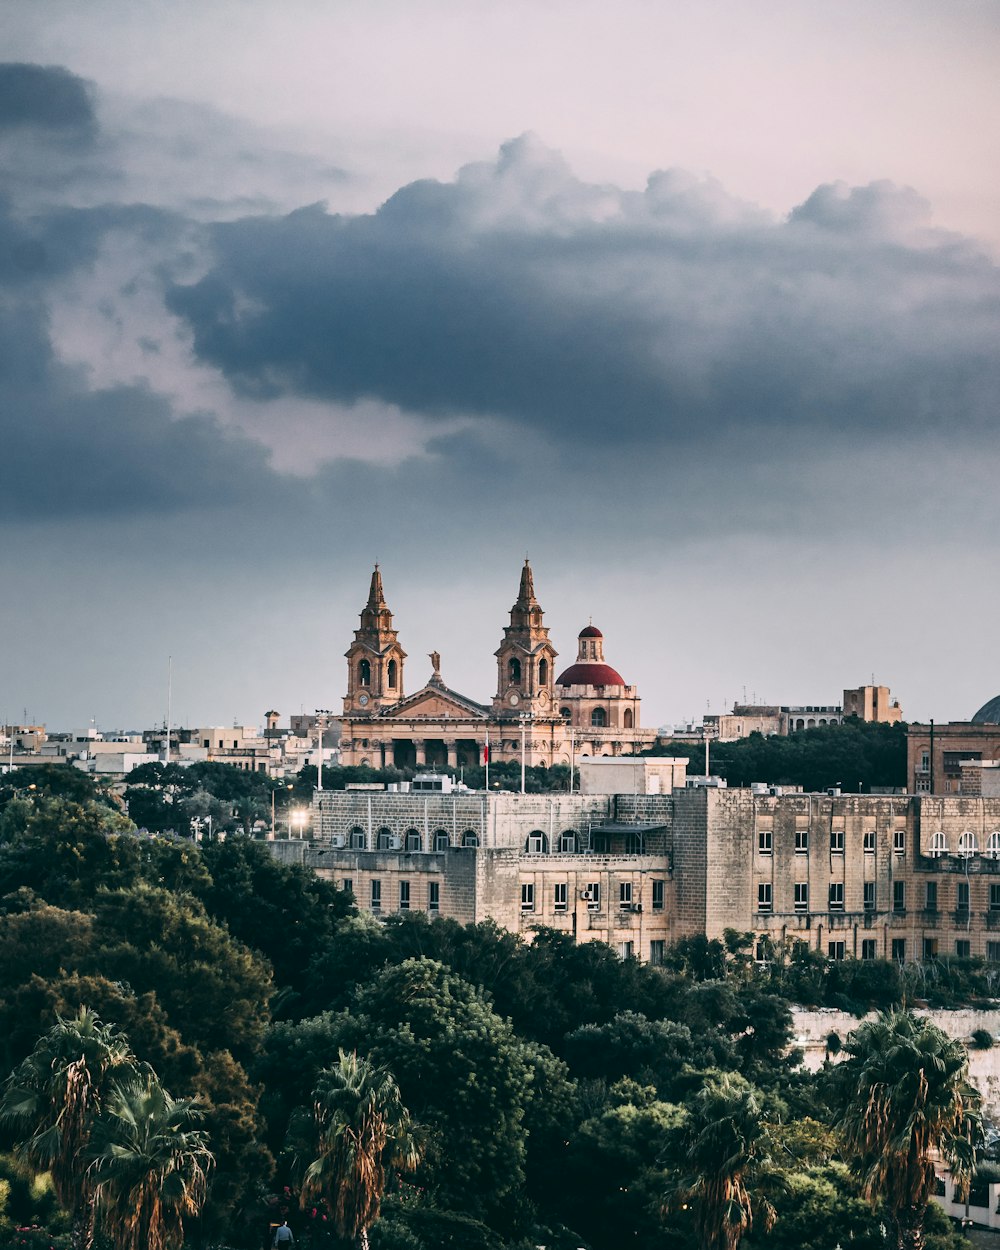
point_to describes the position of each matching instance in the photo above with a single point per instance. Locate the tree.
(725, 1147)
(364, 1132)
(149, 1165)
(53, 1101)
(905, 1097)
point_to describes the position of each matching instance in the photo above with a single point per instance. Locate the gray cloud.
(585, 311)
(48, 97)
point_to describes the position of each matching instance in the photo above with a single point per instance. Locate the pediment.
(434, 702)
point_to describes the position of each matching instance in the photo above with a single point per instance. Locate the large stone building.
(587, 710)
(905, 877)
(935, 754)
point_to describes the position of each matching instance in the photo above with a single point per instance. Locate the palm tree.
(53, 1101)
(149, 1166)
(906, 1098)
(725, 1145)
(364, 1132)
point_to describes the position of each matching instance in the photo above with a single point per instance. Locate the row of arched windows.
(514, 671)
(967, 845)
(411, 840)
(365, 674)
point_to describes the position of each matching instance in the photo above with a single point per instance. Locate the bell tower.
(375, 660)
(525, 658)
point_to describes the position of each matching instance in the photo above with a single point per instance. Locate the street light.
(289, 786)
(297, 817)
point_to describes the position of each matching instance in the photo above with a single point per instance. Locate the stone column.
(452, 749)
(420, 752)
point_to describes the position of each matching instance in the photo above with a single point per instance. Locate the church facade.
(546, 717)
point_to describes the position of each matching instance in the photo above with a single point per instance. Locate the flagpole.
(486, 755)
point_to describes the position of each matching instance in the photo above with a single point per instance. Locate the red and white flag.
(486, 750)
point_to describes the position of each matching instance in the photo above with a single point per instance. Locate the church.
(586, 710)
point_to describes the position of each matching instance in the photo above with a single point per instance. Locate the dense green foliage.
(559, 1096)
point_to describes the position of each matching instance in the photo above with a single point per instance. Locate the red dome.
(583, 674)
(591, 631)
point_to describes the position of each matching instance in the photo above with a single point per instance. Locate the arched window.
(469, 838)
(627, 720)
(514, 671)
(364, 673)
(566, 713)
(441, 840)
(993, 845)
(567, 842)
(357, 838)
(413, 840)
(543, 672)
(390, 674)
(967, 844)
(939, 845)
(598, 718)
(537, 843)
(383, 839)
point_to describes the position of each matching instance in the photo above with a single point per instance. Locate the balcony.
(974, 865)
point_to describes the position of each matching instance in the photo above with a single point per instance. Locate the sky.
(695, 304)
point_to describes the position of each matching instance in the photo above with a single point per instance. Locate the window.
(441, 841)
(627, 720)
(626, 950)
(543, 672)
(514, 672)
(412, 840)
(469, 838)
(962, 896)
(434, 896)
(404, 896)
(836, 950)
(657, 896)
(836, 841)
(560, 896)
(967, 844)
(391, 670)
(347, 885)
(868, 842)
(801, 895)
(376, 895)
(898, 841)
(527, 896)
(993, 846)
(598, 718)
(567, 842)
(899, 949)
(764, 896)
(383, 839)
(592, 893)
(536, 842)
(364, 673)
(867, 948)
(837, 896)
(625, 894)
(357, 839)
(868, 901)
(963, 948)
(764, 841)
(993, 952)
(899, 896)
(925, 761)
(930, 896)
(801, 841)
(930, 948)
(923, 785)
(656, 948)
(994, 897)
(939, 845)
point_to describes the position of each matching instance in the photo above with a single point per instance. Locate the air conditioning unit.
(587, 895)
(636, 907)
(395, 843)
(338, 840)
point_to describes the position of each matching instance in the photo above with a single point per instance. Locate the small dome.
(590, 631)
(583, 674)
(989, 713)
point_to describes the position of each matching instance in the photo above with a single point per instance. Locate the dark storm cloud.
(48, 97)
(518, 291)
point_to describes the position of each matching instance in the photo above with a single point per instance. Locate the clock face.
(363, 700)
(514, 698)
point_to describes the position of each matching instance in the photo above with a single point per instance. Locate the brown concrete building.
(935, 753)
(587, 710)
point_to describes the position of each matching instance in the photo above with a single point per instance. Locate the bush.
(982, 1039)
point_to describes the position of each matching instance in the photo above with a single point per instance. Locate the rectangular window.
(994, 897)
(404, 896)
(376, 895)
(527, 896)
(836, 896)
(764, 896)
(925, 761)
(801, 841)
(867, 948)
(836, 841)
(764, 841)
(434, 896)
(560, 896)
(963, 948)
(930, 897)
(899, 949)
(801, 895)
(536, 843)
(625, 950)
(656, 952)
(923, 785)
(899, 896)
(930, 948)
(592, 894)
(898, 841)
(657, 896)
(962, 896)
(869, 896)
(347, 885)
(625, 894)
(869, 842)
(993, 952)
(836, 950)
